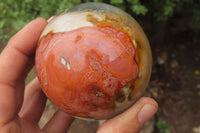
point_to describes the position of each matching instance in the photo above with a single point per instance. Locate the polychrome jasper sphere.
(93, 61)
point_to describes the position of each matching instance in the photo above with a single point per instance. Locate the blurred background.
(173, 29)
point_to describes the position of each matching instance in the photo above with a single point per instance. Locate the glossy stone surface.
(93, 61)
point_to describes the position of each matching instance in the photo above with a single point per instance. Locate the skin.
(21, 106)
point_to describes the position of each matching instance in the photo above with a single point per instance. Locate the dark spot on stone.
(98, 92)
(120, 96)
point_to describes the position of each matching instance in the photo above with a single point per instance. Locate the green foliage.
(163, 126)
(196, 14)
(118, 3)
(15, 14)
(165, 10)
(48, 102)
(137, 7)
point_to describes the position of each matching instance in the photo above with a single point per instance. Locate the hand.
(21, 107)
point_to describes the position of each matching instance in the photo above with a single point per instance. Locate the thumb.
(132, 120)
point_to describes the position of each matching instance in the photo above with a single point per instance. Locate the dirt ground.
(175, 80)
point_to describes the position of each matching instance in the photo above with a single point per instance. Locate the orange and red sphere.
(93, 62)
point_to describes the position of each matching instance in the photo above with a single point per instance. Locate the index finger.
(13, 60)
(15, 56)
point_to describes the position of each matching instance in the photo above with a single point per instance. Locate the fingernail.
(50, 19)
(146, 113)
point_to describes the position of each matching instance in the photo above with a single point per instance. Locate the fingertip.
(26, 39)
(133, 119)
(41, 19)
(149, 108)
(38, 24)
(147, 111)
(148, 100)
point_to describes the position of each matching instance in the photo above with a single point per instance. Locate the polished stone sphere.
(93, 61)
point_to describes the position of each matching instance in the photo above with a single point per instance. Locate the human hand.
(21, 107)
